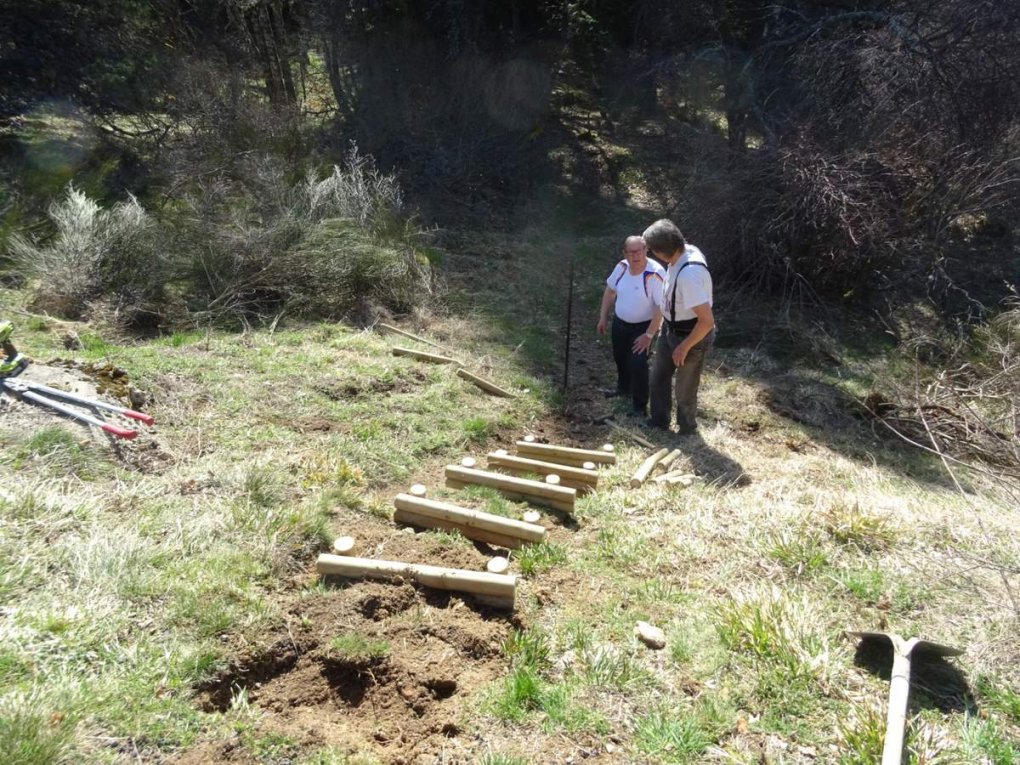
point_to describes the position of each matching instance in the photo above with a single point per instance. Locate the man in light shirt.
(684, 311)
(632, 292)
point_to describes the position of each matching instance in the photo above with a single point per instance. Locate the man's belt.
(681, 327)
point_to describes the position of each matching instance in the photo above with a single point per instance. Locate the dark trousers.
(631, 368)
(664, 384)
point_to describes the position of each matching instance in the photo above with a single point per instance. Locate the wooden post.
(481, 382)
(676, 477)
(422, 356)
(468, 462)
(564, 454)
(498, 589)
(646, 468)
(552, 479)
(575, 478)
(474, 524)
(538, 493)
(343, 545)
(419, 490)
(532, 516)
(669, 459)
(497, 565)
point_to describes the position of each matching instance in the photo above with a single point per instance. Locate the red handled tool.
(43, 395)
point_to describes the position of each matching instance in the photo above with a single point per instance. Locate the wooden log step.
(565, 455)
(536, 492)
(576, 478)
(468, 521)
(498, 589)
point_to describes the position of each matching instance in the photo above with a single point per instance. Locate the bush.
(95, 253)
(336, 247)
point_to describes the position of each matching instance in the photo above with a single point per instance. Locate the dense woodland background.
(838, 156)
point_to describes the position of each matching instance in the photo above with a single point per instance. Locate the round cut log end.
(588, 465)
(529, 438)
(469, 462)
(608, 448)
(419, 490)
(552, 479)
(497, 565)
(532, 516)
(344, 545)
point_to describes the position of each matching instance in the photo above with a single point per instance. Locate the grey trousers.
(663, 384)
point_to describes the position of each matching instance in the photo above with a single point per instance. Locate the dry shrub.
(95, 253)
(969, 410)
(335, 247)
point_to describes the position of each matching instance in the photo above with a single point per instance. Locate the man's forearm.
(608, 298)
(700, 331)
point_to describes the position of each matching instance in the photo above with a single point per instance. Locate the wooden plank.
(486, 385)
(390, 329)
(422, 356)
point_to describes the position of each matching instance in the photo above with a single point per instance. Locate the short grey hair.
(633, 238)
(664, 236)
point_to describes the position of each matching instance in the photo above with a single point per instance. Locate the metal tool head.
(909, 647)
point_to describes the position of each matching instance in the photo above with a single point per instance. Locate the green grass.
(535, 558)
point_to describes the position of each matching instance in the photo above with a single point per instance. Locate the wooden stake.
(630, 434)
(467, 520)
(390, 329)
(532, 516)
(676, 477)
(669, 459)
(497, 565)
(536, 492)
(552, 479)
(343, 545)
(500, 588)
(564, 454)
(588, 465)
(469, 462)
(422, 356)
(646, 468)
(530, 439)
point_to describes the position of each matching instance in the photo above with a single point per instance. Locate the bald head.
(634, 251)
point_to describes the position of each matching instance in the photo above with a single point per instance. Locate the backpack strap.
(623, 273)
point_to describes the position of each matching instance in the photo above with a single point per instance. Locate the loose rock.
(650, 635)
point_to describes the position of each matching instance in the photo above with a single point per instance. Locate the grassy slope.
(121, 589)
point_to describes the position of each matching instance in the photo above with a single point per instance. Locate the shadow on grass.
(935, 683)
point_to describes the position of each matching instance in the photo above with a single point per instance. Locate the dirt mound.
(386, 669)
(400, 701)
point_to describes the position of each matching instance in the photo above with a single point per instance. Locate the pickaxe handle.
(80, 416)
(140, 416)
(896, 718)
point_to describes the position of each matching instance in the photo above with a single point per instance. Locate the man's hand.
(642, 344)
(680, 354)
(601, 326)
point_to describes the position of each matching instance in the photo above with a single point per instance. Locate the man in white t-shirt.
(632, 291)
(685, 308)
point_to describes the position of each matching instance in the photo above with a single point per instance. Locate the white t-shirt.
(636, 294)
(693, 286)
